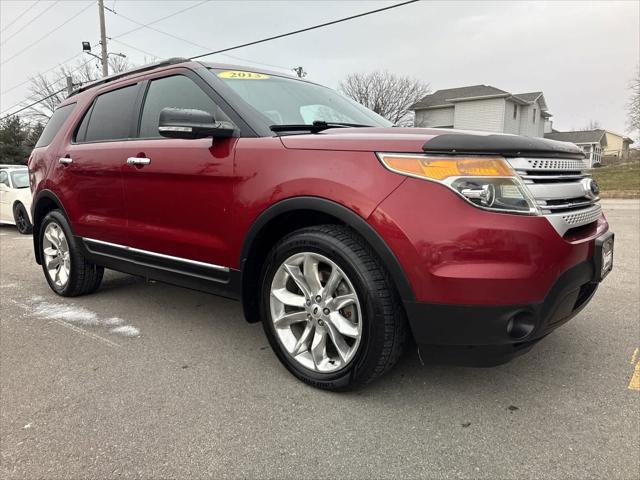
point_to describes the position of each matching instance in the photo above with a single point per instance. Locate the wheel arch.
(44, 202)
(292, 214)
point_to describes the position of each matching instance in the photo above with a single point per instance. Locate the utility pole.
(69, 85)
(104, 59)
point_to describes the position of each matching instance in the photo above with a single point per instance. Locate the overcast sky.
(582, 55)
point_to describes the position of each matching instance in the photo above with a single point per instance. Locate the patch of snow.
(113, 322)
(126, 331)
(67, 313)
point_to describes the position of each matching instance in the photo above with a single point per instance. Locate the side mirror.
(191, 124)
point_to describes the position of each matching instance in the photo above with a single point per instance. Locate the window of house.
(535, 111)
(174, 92)
(110, 116)
(515, 110)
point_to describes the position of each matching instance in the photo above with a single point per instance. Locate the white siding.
(487, 115)
(439, 117)
(512, 125)
(527, 125)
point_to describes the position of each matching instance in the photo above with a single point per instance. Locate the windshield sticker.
(238, 75)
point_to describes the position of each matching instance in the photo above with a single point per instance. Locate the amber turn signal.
(439, 168)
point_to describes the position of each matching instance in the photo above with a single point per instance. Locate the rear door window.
(54, 124)
(110, 116)
(177, 91)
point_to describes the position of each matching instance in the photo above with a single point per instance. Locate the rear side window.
(174, 92)
(54, 124)
(110, 116)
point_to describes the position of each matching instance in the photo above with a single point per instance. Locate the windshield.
(285, 101)
(20, 178)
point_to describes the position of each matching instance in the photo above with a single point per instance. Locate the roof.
(176, 61)
(443, 97)
(528, 97)
(448, 96)
(577, 136)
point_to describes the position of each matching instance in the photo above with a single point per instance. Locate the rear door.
(92, 163)
(178, 204)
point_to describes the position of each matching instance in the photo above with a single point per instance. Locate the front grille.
(560, 188)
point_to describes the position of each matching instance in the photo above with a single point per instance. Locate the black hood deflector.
(504, 145)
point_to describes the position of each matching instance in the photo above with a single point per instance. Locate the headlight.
(486, 182)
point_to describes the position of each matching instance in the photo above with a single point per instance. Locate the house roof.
(578, 136)
(528, 97)
(447, 97)
(444, 97)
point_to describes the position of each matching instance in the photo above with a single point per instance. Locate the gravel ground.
(145, 380)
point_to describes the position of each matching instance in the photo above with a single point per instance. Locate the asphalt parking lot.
(152, 381)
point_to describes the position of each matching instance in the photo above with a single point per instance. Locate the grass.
(618, 181)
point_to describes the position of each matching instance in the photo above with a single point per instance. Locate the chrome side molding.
(155, 254)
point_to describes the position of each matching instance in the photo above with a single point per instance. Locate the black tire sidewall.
(352, 265)
(20, 209)
(57, 217)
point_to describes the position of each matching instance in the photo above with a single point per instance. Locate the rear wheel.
(66, 270)
(330, 310)
(20, 216)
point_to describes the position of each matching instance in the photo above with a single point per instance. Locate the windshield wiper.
(314, 127)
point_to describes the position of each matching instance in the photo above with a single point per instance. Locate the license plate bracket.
(603, 256)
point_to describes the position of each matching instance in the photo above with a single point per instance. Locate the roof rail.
(144, 68)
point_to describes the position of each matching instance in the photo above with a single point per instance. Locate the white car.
(15, 197)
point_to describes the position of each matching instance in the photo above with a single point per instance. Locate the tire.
(376, 332)
(81, 277)
(21, 218)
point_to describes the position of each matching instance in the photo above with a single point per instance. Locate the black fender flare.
(345, 215)
(45, 194)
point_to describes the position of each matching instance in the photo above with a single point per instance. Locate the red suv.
(344, 235)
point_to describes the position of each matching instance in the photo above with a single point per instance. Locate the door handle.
(138, 161)
(65, 160)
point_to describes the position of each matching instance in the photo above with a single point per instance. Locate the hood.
(430, 140)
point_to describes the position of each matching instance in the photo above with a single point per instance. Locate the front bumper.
(503, 325)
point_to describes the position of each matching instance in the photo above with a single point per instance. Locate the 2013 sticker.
(240, 75)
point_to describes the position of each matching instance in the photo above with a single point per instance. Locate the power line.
(86, 7)
(157, 20)
(186, 41)
(134, 48)
(19, 16)
(30, 22)
(295, 32)
(42, 73)
(225, 49)
(53, 82)
(34, 103)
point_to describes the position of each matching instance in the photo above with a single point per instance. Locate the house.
(487, 108)
(595, 143)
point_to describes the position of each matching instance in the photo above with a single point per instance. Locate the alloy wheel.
(55, 248)
(316, 312)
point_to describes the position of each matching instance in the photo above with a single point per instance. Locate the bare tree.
(51, 89)
(592, 125)
(386, 94)
(633, 107)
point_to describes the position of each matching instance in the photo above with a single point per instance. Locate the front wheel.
(20, 216)
(330, 310)
(68, 273)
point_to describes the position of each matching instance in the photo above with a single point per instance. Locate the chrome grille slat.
(559, 188)
(554, 177)
(566, 206)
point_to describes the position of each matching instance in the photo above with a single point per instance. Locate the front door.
(178, 192)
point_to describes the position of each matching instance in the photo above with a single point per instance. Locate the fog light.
(520, 325)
